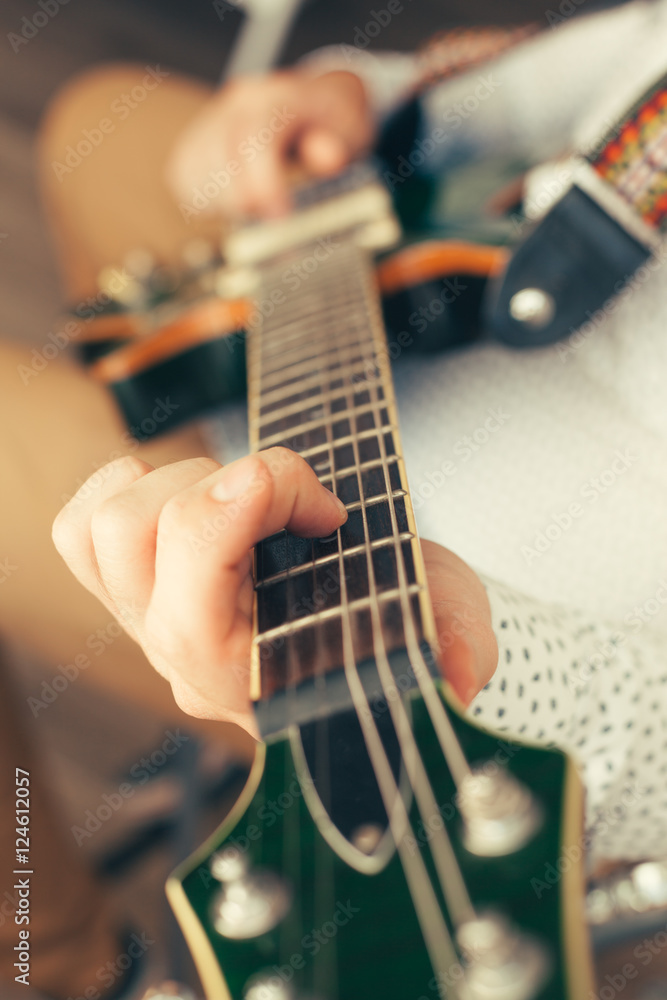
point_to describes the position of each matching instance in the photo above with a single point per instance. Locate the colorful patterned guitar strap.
(584, 251)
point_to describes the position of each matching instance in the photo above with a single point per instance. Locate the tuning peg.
(249, 903)
(500, 814)
(170, 991)
(501, 963)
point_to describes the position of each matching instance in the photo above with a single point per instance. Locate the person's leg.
(66, 907)
(59, 428)
(64, 425)
(116, 199)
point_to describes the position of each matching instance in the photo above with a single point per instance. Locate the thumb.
(322, 153)
(468, 646)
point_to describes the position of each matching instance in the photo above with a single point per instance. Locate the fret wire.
(371, 463)
(309, 369)
(316, 285)
(374, 500)
(316, 282)
(278, 392)
(327, 313)
(311, 395)
(318, 347)
(354, 550)
(358, 604)
(280, 439)
(318, 401)
(302, 304)
(284, 327)
(302, 404)
(351, 342)
(278, 339)
(321, 421)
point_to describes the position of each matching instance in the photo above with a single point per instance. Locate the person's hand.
(168, 552)
(235, 157)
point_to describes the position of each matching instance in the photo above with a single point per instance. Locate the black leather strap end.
(578, 257)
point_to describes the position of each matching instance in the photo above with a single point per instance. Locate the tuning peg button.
(249, 902)
(169, 991)
(500, 814)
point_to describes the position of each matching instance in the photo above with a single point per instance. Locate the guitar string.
(292, 852)
(446, 736)
(332, 980)
(255, 342)
(437, 938)
(434, 929)
(447, 867)
(254, 366)
(449, 743)
(323, 883)
(415, 873)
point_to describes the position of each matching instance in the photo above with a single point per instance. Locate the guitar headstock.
(277, 905)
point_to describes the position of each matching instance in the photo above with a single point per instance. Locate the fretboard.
(319, 384)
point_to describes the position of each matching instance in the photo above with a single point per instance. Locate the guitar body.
(190, 345)
(354, 935)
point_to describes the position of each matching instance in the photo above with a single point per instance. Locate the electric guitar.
(384, 844)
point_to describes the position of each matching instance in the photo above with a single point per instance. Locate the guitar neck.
(319, 384)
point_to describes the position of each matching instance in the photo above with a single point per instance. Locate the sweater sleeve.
(597, 690)
(527, 103)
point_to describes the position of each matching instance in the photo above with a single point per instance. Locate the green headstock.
(278, 903)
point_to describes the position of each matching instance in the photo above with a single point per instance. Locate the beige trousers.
(57, 428)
